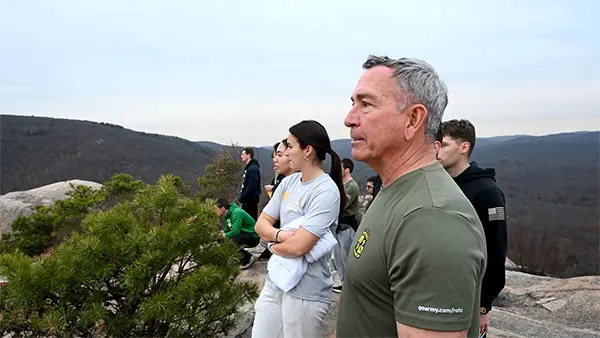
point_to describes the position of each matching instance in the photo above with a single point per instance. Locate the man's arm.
(352, 194)
(490, 205)
(435, 259)
(236, 225)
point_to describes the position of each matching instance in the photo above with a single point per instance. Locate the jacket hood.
(475, 172)
(252, 162)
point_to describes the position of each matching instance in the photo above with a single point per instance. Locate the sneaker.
(249, 264)
(337, 289)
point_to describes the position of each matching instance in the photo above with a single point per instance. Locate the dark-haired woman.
(318, 198)
(281, 164)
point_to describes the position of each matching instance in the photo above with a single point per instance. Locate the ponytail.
(336, 175)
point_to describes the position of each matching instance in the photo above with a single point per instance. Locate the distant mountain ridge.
(551, 182)
(36, 151)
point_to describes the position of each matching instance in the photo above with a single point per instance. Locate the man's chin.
(358, 154)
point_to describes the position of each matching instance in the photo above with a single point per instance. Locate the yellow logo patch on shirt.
(360, 244)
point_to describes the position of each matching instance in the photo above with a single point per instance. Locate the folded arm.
(297, 245)
(264, 227)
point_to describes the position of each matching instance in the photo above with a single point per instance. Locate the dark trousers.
(251, 207)
(247, 240)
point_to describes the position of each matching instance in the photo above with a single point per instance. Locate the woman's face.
(295, 153)
(281, 161)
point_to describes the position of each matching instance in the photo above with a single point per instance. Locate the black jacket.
(479, 185)
(251, 188)
(276, 181)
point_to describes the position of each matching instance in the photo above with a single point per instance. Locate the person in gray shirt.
(318, 198)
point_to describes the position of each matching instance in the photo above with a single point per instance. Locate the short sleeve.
(321, 210)
(273, 207)
(435, 261)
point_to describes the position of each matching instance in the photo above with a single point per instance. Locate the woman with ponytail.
(314, 199)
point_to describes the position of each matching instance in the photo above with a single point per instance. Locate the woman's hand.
(268, 187)
(285, 235)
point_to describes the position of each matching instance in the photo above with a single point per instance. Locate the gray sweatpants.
(342, 249)
(280, 315)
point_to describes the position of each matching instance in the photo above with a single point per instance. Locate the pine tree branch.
(182, 269)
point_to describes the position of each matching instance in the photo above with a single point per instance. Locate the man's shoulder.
(445, 203)
(481, 189)
(241, 213)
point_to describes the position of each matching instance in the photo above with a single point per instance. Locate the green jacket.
(237, 220)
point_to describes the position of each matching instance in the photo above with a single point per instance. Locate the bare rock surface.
(18, 203)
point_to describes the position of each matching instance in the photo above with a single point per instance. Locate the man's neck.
(347, 179)
(401, 163)
(459, 168)
(310, 173)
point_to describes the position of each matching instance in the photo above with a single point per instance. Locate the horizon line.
(263, 146)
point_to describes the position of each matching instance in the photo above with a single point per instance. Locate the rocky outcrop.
(18, 203)
(529, 306)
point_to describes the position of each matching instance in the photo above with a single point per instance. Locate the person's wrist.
(485, 305)
(277, 236)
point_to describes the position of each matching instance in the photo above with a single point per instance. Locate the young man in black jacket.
(251, 187)
(479, 185)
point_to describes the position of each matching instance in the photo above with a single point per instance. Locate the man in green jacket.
(239, 227)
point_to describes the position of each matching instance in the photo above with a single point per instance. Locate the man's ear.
(416, 118)
(464, 147)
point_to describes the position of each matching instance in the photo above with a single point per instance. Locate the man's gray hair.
(420, 83)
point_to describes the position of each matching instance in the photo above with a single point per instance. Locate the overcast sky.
(246, 71)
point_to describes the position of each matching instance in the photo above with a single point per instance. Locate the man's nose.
(351, 118)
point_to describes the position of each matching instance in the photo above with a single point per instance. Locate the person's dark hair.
(275, 149)
(372, 179)
(312, 133)
(249, 151)
(462, 130)
(223, 203)
(348, 164)
(285, 143)
(439, 136)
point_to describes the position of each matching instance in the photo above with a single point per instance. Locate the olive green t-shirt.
(418, 258)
